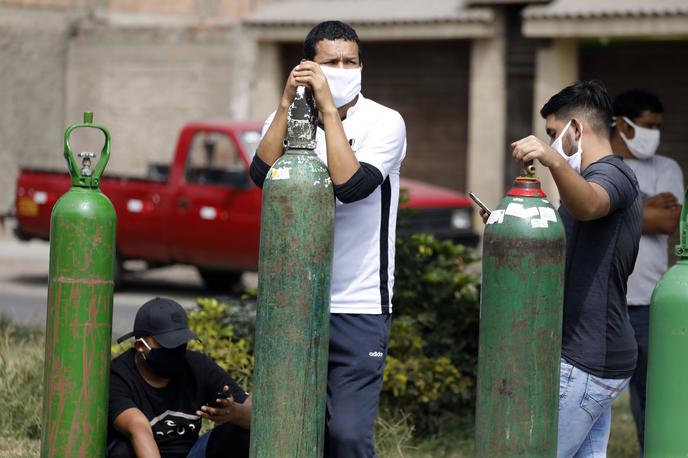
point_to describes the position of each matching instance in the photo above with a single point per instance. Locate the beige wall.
(487, 119)
(142, 81)
(145, 83)
(207, 9)
(32, 95)
(556, 66)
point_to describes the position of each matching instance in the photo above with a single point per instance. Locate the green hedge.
(432, 360)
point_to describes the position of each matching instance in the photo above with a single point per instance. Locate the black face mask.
(166, 362)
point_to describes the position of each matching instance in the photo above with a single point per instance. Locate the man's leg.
(595, 444)
(358, 348)
(583, 401)
(120, 449)
(225, 441)
(640, 320)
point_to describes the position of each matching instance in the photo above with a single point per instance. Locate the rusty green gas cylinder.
(520, 326)
(79, 318)
(666, 424)
(292, 322)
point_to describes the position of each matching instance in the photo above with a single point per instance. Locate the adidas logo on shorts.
(376, 354)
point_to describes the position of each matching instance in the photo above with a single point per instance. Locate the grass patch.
(623, 441)
(13, 447)
(21, 390)
(395, 438)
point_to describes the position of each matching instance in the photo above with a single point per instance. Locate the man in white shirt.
(635, 137)
(363, 144)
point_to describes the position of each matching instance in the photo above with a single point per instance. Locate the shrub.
(433, 348)
(227, 333)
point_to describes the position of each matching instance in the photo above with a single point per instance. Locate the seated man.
(159, 392)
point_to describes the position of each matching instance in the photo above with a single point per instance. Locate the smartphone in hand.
(221, 394)
(479, 203)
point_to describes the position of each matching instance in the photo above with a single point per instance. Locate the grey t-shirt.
(600, 254)
(655, 175)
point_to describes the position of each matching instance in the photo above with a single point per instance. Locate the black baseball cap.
(163, 319)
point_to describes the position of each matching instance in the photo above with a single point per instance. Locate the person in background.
(160, 391)
(638, 117)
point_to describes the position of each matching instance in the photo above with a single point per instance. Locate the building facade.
(469, 76)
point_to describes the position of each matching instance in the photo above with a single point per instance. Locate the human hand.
(531, 147)
(484, 215)
(662, 200)
(289, 89)
(309, 73)
(227, 410)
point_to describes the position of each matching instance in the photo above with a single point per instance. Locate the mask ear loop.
(146, 344)
(630, 124)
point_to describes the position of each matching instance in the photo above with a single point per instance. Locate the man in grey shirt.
(602, 215)
(635, 137)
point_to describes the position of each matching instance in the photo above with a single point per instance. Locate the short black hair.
(633, 102)
(330, 30)
(588, 99)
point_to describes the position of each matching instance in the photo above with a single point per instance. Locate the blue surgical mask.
(575, 159)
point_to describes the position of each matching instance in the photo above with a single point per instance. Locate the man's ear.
(577, 126)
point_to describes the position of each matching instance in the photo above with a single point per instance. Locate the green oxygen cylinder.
(79, 318)
(521, 311)
(294, 274)
(666, 416)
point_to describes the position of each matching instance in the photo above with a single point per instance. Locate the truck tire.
(221, 281)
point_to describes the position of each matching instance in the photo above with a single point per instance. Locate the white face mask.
(575, 159)
(645, 142)
(345, 83)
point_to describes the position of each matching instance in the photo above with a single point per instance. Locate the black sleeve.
(121, 397)
(360, 185)
(217, 378)
(258, 171)
(620, 184)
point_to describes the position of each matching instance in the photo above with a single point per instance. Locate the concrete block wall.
(33, 55)
(145, 83)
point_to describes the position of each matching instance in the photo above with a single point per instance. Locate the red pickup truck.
(203, 209)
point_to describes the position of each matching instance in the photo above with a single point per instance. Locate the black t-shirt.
(171, 410)
(600, 255)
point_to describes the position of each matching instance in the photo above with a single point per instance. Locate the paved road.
(24, 280)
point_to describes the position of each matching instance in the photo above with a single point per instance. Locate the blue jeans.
(198, 450)
(585, 412)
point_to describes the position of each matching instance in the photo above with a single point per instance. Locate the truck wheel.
(221, 281)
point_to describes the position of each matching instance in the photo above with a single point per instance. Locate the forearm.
(242, 413)
(660, 220)
(271, 147)
(144, 444)
(243, 420)
(341, 160)
(579, 196)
